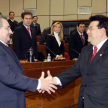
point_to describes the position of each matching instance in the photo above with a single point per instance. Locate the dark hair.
(80, 23)
(2, 17)
(21, 15)
(26, 13)
(35, 16)
(0, 13)
(103, 21)
(53, 22)
(11, 12)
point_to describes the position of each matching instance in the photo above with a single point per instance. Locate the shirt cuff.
(39, 84)
(58, 81)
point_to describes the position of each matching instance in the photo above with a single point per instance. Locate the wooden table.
(62, 98)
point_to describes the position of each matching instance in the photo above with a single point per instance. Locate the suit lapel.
(26, 32)
(100, 52)
(79, 38)
(9, 50)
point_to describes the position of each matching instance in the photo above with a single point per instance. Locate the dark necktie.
(28, 32)
(82, 39)
(94, 53)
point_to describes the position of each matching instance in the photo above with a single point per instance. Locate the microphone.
(75, 51)
(50, 51)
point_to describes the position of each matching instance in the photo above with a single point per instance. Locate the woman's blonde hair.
(61, 32)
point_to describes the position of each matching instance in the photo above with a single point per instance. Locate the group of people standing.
(25, 32)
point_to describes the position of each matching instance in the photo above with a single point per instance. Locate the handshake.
(48, 84)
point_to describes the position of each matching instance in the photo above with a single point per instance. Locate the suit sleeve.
(39, 30)
(49, 45)
(43, 37)
(71, 46)
(14, 79)
(62, 49)
(17, 43)
(35, 47)
(72, 73)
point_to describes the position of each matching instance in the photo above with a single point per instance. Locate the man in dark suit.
(36, 26)
(13, 82)
(24, 38)
(92, 65)
(77, 40)
(11, 20)
(45, 32)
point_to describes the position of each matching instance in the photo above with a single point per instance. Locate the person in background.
(11, 20)
(20, 23)
(54, 41)
(24, 38)
(36, 25)
(45, 32)
(77, 40)
(13, 82)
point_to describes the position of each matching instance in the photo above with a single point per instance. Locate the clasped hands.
(48, 84)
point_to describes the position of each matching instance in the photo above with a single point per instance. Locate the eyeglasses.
(92, 28)
(8, 27)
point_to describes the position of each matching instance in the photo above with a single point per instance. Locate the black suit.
(37, 29)
(19, 24)
(12, 24)
(75, 43)
(94, 84)
(53, 46)
(22, 42)
(45, 32)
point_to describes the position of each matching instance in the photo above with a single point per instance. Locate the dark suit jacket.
(52, 46)
(12, 24)
(13, 82)
(75, 43)
(94, 84)
(19, 24)
(22, 42)
(37, 29)
(45, 32)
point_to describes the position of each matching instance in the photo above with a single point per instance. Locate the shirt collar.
(79, 33)
(12, 20)
(56, 34)
(4, 43)
(100, 45)
(26, 26)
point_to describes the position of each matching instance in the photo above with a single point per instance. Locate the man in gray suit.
(92, 66)
(13, 82)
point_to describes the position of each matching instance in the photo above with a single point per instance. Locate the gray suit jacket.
(94, 84)
(13, 82)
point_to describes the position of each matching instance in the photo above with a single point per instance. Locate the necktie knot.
(82, 39)
(94, 53)
(95, 49)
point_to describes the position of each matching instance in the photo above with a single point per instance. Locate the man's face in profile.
(5, 31)
(81, 28)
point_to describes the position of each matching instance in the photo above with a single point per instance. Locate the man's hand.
(50, 78)
(47, 84)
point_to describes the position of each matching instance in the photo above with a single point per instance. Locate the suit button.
(85, 85)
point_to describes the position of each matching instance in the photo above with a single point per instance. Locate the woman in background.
(54, 41)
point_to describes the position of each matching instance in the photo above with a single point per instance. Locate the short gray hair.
(2, 17)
